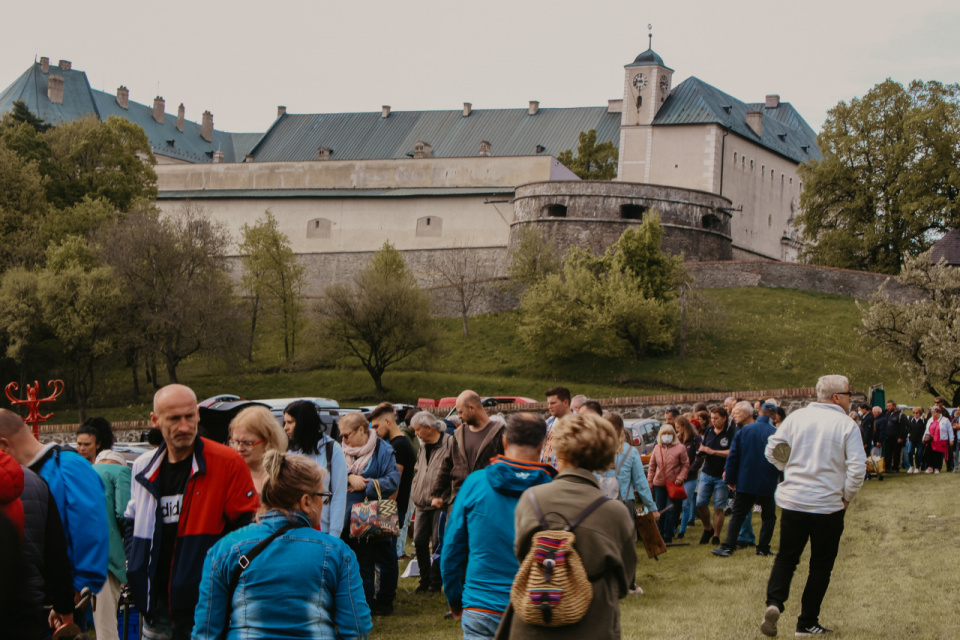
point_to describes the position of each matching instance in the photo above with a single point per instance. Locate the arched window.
(429, 227)
(632, 211)
(711, 222)
(318, 228)
(555, 211)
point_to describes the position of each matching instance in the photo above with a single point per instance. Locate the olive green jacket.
(604, 541)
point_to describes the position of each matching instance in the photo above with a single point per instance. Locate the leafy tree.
(22, 206)
(20, 314)
(888, 182)
(93, 159)
(533, 257)
(272, 275)
(922, 335)
(593, 161)
(179, 297)
(598, 303)
(21, 114)
(382, 317)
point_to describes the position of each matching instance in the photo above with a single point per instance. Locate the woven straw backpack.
(552, 589)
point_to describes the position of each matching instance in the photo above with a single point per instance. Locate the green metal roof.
(31, 88)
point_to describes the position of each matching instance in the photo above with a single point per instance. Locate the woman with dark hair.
(301, 583)
(93, 436)
(371, 459)
(302, 424)
(691, 441)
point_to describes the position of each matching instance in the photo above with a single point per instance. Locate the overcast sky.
(240, 59)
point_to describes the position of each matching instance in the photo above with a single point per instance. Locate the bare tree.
(464, 278)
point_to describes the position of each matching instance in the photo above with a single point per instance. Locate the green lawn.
(769, 338)
(895, 577)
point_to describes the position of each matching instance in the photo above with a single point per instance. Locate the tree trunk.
(171, 369)
(253, 325)
(683, 324)
(466, 330)
(134, 364)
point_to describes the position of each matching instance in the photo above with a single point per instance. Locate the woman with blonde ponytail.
(297, 582)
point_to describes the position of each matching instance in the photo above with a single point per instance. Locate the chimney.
(123, 97)
(485, 149)
(218, 157)
(158, 105)
(281, 111)
(248, 158)
(55, 89)
(323, 153)
(422, 150)
(45, 64)
(65, 65)
(533, 108)
(773, 101)
(615, 106)
(467, 108)
(206, 126)
(385, 111)
(755, 121)
(180, 113)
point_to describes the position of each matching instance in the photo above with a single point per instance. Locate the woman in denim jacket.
(369, 458)
(303, 584)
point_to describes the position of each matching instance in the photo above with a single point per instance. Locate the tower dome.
(648, 57)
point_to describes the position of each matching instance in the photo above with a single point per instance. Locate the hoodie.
(481, 526)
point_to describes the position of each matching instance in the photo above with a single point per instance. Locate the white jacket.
(826, 463)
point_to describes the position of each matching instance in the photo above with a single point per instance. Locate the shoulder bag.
(374, 518)
(674, 490)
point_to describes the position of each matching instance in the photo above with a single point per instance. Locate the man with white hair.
(434, 448)
(576, 402)
(820, 452)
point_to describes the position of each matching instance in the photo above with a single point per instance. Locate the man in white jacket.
(820, 451)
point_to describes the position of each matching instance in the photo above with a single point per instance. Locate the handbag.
(374, 518)
(674, 491)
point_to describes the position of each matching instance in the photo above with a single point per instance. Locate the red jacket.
(11, 486)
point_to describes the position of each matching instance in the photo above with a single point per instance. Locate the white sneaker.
(936, 470)
(635, 590)
(929, 469)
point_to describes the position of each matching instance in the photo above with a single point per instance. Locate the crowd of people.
(185, 528)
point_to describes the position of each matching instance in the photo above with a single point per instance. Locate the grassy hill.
(768, 338)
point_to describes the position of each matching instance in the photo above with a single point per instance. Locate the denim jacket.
(382, 467)
(631, 476)
(304, 584)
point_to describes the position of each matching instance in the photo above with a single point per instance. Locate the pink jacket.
(671, 460)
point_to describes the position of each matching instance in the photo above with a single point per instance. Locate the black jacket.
(916, 427)
(897, 426)
(866, 429)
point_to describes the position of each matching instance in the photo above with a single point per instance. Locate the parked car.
(489, 401)
(643, 434)
(328, 409)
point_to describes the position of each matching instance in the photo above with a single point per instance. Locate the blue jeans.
(377, 556)
(689, 508)
(668, 520)
(712, 486)
(908, 448)
(479, 625)
(745, 534)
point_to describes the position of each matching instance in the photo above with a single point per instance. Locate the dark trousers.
(823, 530)
(933, 459)
(893, 455)
(916, 456)
(668, 521)
(742, 511)
(377, 555)
(425, 540)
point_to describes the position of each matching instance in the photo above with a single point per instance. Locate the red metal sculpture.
(33, 402)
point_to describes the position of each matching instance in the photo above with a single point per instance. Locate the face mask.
(667, 439)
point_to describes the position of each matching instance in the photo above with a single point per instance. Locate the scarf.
(359, 457)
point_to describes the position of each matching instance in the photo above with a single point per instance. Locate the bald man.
(184, 497)
(475, 443)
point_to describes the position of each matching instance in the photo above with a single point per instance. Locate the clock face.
(664, 84)
(640, 81)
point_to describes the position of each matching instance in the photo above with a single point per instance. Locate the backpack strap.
(538, 512)
(329, 458)
(586, 512)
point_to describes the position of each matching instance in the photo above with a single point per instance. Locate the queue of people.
(206, 536)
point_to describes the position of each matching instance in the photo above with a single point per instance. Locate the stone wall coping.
(625, 183)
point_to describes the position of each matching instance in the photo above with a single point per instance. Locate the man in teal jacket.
(481, 526)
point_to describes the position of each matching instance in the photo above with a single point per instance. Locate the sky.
(240, 59)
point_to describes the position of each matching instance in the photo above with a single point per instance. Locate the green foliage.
(21, 114)
(272, 276)
(533, 257)
(20, 313)
(888, 181)
(22, 208)
(593, 161)
(598, 303)
(382, 318)
(921, 336)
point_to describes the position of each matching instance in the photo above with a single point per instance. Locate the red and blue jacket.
(219, 497)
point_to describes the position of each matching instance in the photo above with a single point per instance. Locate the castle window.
(743, 162)
(555, 211)
(734, 157)
(751, 165)
(711, 222)
(763, 170)
(429, 227)
(632, 211)
(318, 228)
(791, 180)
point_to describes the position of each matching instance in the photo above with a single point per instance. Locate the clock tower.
(645, 89)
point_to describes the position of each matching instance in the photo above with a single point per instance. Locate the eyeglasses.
(245, 444)
(325, 495)
(843, 393)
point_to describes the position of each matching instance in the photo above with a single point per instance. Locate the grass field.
(769, 338)
(896, 577)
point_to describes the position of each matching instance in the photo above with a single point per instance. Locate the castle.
(722, 173)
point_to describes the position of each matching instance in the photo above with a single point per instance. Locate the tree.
(888, 182)
(382, 317)
(593, 161)
(23, 206)
(533, 257)
(465, 278)
(179, 297)
(922, 336)
(272, 275)
(598, 303)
